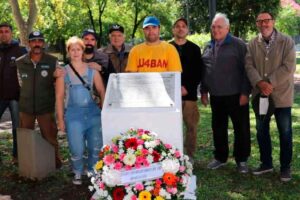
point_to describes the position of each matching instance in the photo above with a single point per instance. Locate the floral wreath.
(136, 152)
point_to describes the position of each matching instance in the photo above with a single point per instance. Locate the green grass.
(221, 184)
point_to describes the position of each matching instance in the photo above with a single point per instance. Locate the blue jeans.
(284, 125)
(83, 125)
(14, 114)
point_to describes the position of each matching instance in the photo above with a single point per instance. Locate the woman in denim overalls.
(82, 118)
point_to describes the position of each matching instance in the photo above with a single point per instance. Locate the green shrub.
(200, 39)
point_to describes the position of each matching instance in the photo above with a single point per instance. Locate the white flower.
(186, 157)
(105, 168)
(150, 150)
(185, 179)
(189, 167)
(128, 189)
(111, 177)
(164, 194)
(140, 147)
(101, 193)
(121, 151)
(91, 188)
(149, 159)
(129, 159)
(172, 151)
(150, 144)
(149, 188)
(121, 144)
(130, 151)
(93, 180)
(170, 165)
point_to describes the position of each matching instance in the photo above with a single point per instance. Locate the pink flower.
(158, 182)
(101, 185)
(146, 163)
(139, 186)
(134, 197)
(118, 166)
(140, 132)
(157, 141)
(109, 159)
(115, 148)
(181, 168)
(138, 165)
(139, 159)
(140, 142)
(168, 146)
(172, 190)
(144, 151)
(177, 154)
(127, 167)
(122, 156)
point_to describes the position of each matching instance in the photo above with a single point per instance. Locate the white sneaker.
(77, 179)
(242, 167)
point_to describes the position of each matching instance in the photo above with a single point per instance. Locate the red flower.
(131, 143)
(118, 193)
(170, 179)
(156, 156)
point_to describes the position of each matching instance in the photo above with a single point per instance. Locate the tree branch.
(32, 14)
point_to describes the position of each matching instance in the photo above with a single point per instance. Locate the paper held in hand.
(263, 105)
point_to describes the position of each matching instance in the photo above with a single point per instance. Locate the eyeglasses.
(261, 21)
(217, 27)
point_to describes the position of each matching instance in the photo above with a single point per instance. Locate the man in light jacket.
(270, 65)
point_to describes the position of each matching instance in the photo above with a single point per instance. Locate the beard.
(89, 49)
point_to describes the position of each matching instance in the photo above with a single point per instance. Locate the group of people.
(228, 71)
(265, 69)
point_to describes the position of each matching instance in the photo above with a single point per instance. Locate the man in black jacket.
(9, 87)
(191, 61)
(226, 81)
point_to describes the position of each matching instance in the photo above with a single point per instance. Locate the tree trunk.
(102, 6)
(25, 27)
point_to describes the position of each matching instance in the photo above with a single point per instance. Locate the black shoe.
(215, 164)
(285, 175)
(262, 170)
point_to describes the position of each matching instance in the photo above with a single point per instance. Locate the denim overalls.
(83, 121)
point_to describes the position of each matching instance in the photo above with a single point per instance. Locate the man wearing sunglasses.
(270, 65)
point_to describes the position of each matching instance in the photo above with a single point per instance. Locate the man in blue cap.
(153, 55)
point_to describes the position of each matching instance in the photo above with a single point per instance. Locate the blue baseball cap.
(151, 21)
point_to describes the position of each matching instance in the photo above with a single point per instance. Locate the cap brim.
(37, 38)
(150, 24)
